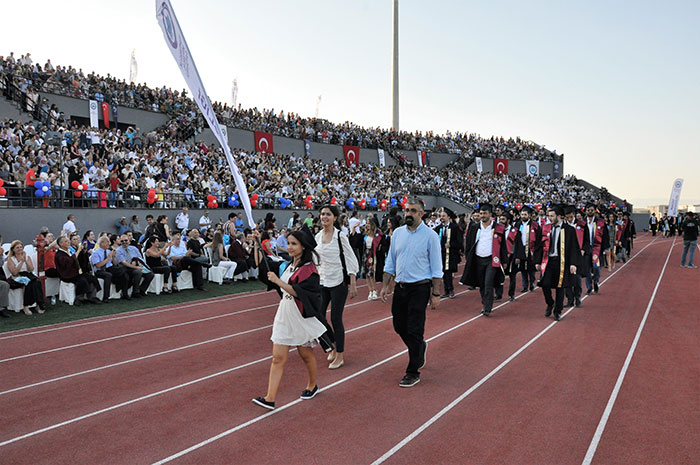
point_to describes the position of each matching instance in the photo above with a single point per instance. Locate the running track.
(617, 381)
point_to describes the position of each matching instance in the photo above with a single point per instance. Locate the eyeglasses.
(412, 210)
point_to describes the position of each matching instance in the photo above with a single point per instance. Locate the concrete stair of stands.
(9, 110)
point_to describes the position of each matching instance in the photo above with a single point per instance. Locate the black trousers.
(653, 229)
(167, 272)
(485, 275)
(336, 296)
(408, 310)
(113, 275)
(139, 282)
(194, 267)
(574, 292)
(85, 284)
(528, 277)
(559, 302)
(448, 282)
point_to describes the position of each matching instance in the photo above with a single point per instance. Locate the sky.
(612, 85)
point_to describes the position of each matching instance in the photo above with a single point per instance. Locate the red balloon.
(85, 187)
(255, 197)
(214, 205)
(210, 203)
(210, 198)
(2, 181)
(77, 193)
(3, 191)
(384, 206)
(253, 202)
(334, 201)
(74, 184)
(151, 200)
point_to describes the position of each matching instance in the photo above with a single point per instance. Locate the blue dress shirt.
(414, 255)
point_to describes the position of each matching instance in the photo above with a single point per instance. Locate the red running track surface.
(543, 406)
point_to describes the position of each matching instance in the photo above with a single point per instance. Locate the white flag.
(420, 157)
(532, 167)
(134, 68)
(181, 52)
(234, 94)
(380, 154)
(94, 120)
(675, 197)
(479, 165)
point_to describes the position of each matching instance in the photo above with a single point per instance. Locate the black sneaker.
(511, 299)
(263, 403)
(308, 394)
(425, 351)
(595, 287)
(588, 292)
(409, 381)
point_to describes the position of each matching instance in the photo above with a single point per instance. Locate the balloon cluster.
(334, 201)
(350, 203)
(403, 202)
(309, 202)
(79, 188)
(43, 189)
(212, 201)
(382, 204)
(362, 203)
(3, 191)
(284, 203)
(253, 200)
(233, 201)
(151, 196)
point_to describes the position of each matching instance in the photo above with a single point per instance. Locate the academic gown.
(534, 244)
(572, 256)
(454, 247)
(470, 276)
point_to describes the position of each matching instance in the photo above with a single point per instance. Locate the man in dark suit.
(573, 293)
(238, 254)
(530, 240)
(653, 224)
(510, 266)
(451, 246)
(559, 261)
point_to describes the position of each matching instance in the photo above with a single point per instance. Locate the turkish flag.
(105, 113)
(263, 142)
(500, 165)
(352, 155)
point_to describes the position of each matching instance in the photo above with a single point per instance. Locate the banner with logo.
(500, 165)
(263, 142)
(307, 147)
(479, 165)
(532, 167)
(352, 155)
(94, 119)
(556, 170)
(675, 197)
(380, 154)
(105, 114)
(181, 52)
(224, 129)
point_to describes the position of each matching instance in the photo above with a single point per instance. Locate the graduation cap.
(558, 209)
(450, 213)
(527, 209)
(499, 206)
(486, 207)
(507, 215)
(312, 240)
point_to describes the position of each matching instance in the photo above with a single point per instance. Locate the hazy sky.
(613, 85)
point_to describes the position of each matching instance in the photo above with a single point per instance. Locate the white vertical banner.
(420, 157)
(675, 197)
(532, 167)
(479, 165)
(380, 154)
(181, 52)
(133, 67)
(94, 119)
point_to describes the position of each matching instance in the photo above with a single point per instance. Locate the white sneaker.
(373, 295)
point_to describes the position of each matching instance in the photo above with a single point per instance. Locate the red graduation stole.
(300, 275)
(546, 230)
(581, 229)
(597, 240)
(510, 239)
(498, 230)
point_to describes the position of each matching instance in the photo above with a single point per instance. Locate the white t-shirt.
(182, 221)
(484, 245)
(204, 222)
(69, 227)
(330, 268)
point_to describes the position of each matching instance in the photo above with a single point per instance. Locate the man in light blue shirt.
(414, 262)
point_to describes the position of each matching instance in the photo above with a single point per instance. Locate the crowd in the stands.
(66, 80)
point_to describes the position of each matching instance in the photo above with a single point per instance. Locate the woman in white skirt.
(296, 323)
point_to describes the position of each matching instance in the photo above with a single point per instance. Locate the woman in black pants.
(337, 278)
(154, 260)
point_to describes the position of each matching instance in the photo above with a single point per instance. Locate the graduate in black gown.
(451, 246)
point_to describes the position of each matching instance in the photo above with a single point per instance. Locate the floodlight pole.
(395, 70)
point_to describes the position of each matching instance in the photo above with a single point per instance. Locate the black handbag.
(346, 276)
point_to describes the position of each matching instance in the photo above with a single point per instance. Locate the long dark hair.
(335, 211)
(306, 242)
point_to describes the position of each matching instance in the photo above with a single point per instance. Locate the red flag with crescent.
(263, 142)
(500, 165)
(105, 114)
(352, 155)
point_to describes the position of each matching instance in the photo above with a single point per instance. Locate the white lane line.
(474, 387)
(332, 385)
(136, 313)
(621, 377)
(170, 389)
(165, 352)
(133, 314)
(146, 331)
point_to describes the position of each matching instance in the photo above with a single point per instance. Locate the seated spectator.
(105, 267)
(158, 264)
(180, 257)
(70, 272)
(219, 258)
(131, 260)
(281, 244)
(195, 250)
(237, 253)
(4, 288)
(135, 227)
(89, 243)
(21, 268)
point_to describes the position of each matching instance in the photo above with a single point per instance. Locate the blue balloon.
(47, 193)
(236, 203)
(284, 206)
(393, 202)
(39, 193)
(373, 202)
(235, 196)
(230, 202)
(38, 185)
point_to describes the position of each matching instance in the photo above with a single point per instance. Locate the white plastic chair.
(15, 296)
(67, 293)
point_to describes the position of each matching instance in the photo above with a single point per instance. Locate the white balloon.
(45, 188)
(80, 187)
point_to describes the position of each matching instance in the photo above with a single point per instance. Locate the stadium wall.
(25, 223)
